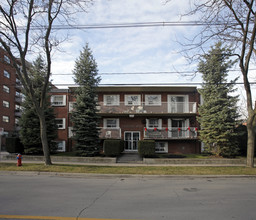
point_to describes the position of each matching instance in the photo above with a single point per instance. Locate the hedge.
(146, 148)
(113, 147)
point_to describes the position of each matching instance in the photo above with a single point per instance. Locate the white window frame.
(161, 149)
(58, 102)
(6, 89)
(7, 74)
(6, 104)
(173, 105)
(114, 102)
(130, 102)
(7, 59)
(61, 146)
(70, 132)
(62, 125)
(159, 123)
(71, 106)
(105, 123)
(149, 100)
(6, 119)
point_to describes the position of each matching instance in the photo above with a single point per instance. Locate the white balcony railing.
(170, 133)
(109, 133)
(165, 107)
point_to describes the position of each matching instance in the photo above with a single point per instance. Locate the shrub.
(146, 148)
(113, 147)
(13, 145)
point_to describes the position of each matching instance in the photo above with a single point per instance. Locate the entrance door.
(131, 139)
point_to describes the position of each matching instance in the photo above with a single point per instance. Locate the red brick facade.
(10, 97)
(165, 114)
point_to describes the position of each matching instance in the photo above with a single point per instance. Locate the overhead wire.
(126, 25)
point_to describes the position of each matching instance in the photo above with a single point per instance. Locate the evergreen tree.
(218, 114)
(29, 121)
(84, 117)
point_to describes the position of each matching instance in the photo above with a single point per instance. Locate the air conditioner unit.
(108, 134)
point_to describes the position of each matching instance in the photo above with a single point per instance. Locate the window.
(58, 100)
(178, 104)
(132, 100)
(154, 123)
(153, 99)
(111, 99)
(17, 94)
(6, 104)
(70, 132)
(6, 89)
(6, 74)
(61, 146)
(60, 122)
(111, 123)
(16, 121)
(7, 59)
(161, 147)
(6, 119)
(71, 106)
(17, 107)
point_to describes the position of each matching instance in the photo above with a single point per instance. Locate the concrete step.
(129, 158)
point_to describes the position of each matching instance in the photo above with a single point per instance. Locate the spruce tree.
(84, 116)
(29, 121)
(218, 114)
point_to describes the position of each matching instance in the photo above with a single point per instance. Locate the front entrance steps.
(129, 158)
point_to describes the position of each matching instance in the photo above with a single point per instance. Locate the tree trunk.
(47, 158)
(250, 143)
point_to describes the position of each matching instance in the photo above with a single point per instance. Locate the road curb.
(92, 175)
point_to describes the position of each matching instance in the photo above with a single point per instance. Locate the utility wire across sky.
(128, 25)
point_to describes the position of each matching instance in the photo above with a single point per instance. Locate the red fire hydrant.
(19, 158)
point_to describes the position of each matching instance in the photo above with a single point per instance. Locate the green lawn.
(143, 170)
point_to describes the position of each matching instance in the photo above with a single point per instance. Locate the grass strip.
(143, 170)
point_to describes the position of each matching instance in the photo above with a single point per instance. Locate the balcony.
(171, 133)
(108, 133)
(164, 108)
(18, 113)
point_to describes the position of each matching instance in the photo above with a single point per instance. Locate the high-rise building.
(10, 95)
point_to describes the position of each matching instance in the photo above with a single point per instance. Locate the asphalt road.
(145, 198)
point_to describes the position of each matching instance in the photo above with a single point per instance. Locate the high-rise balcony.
(163, 108)
(171, 133)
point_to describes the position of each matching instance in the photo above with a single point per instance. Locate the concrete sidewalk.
(112, 161)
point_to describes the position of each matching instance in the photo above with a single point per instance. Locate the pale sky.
(122, 50)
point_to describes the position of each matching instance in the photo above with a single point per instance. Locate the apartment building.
(10, 95)
(166, 114)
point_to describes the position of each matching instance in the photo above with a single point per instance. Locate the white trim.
(61, 146)
(161, 149)
(113, 100)
(132, 102)
(173, 106)
(131, 141)
(6, 89)
(71, 106)
(158, 100)
(62, 125)
(58, 102)
(159, 123)
(105, 123)
(70, 132)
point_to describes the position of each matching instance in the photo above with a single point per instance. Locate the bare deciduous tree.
(26, 28)
(232, 22)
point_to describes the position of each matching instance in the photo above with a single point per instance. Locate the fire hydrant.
(19, 158)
